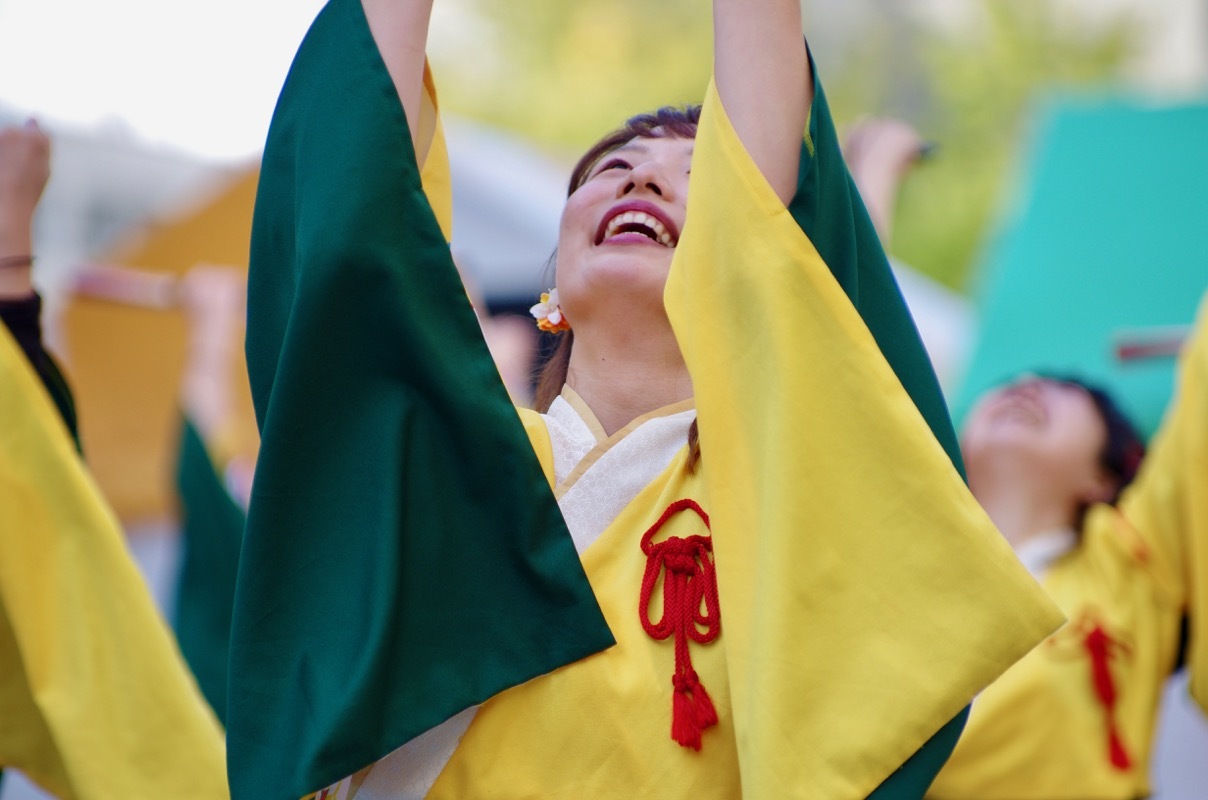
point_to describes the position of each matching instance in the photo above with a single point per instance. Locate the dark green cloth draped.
(211, 534)
(829, 209)
(404, 558)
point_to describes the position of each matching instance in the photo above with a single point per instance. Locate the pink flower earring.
(549, 314)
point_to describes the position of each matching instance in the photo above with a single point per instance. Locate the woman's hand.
(879, 153)
(764, 80)
(24, 171)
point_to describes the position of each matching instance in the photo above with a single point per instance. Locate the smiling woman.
(1119, 543)
(719, 274)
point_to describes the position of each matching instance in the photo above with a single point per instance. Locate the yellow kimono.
(862, 597)
(1076, 717)
(95, 700)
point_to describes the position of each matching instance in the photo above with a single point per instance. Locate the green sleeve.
(913, 779)
(212, 532)
(404, 557)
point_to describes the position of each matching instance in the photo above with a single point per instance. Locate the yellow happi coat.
(1076, 718)
(865, 597)
(95, 700)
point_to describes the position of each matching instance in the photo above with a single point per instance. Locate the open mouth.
(637, 223)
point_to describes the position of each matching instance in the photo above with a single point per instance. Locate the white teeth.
(657, 228)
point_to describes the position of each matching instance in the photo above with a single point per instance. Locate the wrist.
(16, 283)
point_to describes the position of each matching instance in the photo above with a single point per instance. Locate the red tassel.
(685, 727)
(706, 714)
(1099, 646)
(690, 580)
(691, 711)
(1119, 756)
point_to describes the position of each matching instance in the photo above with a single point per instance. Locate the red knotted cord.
(690, 579)
(1099, 646)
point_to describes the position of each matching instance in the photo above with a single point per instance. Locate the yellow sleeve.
(866, 597)
(95, 700)
(1167, 505)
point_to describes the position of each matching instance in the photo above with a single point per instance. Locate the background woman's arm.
(763, 78)
(400, 28)
(24, 171)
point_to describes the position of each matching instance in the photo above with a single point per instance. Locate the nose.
(1029, 384)
(648, 176)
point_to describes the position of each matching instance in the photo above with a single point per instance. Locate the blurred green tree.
(562, 73)
(982, 88)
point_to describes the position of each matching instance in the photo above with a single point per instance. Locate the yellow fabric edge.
(538, 435)
(432, 153)
(584, 411)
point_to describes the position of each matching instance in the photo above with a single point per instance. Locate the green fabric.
(1103, 236)
(914, 778)
(212, 530)
(60, 393)
(829, 209)
(404, 558)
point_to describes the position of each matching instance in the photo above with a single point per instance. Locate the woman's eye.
(615, 163)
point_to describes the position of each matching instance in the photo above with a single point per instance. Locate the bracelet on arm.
(16, 261)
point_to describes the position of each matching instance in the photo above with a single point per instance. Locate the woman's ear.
(1100, 487)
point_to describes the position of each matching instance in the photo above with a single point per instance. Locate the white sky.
(201, 76)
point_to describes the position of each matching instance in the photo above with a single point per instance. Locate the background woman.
(1053, 460)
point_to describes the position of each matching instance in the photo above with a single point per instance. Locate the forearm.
(763, 78)
(16, 243)
(400, 29)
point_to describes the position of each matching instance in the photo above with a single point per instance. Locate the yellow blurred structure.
(125, 362)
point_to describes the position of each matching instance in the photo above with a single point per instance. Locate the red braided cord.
(1099, 646)
(690, 579)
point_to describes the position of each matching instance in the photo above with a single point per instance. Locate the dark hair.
(1125, 448)
(668, 121)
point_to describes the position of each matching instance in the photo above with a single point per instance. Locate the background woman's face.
(620, 228)
(1049, 431)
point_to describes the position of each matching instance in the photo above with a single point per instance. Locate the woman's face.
(620, 228)
(1048, 430)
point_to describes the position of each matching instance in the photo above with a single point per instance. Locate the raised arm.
(763, 78)
(24, 170)
(400, 29)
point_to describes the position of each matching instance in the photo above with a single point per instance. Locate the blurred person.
(24, 172)
(1121, 544)
(512, 342)
(213, 476)
(1118, 538)
(719, 425)
(880, 152)
(94, 697)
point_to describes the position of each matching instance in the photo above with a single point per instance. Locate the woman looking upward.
(803, 594)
